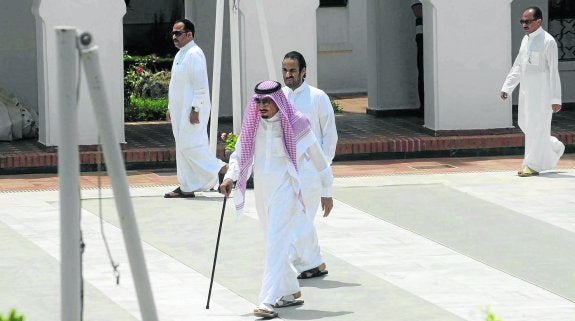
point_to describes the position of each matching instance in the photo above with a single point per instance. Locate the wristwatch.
(194, 109)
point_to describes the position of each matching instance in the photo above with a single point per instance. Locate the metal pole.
(216, 75)
(118, 177)
(69, 176)
(266, 41)
(236, 71)
(216, 252)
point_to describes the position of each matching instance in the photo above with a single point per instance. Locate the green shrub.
(145, 109)
(336, 107)
(150, 62)
(230, 139)
(13, 316)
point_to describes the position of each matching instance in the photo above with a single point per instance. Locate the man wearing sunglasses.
(189, 110)
(539, 94)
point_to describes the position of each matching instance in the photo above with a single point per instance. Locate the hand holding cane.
(225, 189)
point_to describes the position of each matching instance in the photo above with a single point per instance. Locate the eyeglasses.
(263, 102)
(179, 33)
(527, 22)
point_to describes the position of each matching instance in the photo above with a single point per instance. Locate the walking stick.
(216, 254)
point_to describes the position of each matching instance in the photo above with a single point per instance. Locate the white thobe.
(276, 189)
(316, 106)
(196, 166)
(536, 69)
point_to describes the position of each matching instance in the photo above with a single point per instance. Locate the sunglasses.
(179, 33)
(527, 22)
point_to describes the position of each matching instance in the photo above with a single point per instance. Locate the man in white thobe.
(539, 96)
(189, 111)
(316, 106)
(276, 141)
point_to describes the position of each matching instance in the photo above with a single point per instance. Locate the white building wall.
(103, 19)
(18, 64)
(391, 56)
(342, 48)
(466, 60)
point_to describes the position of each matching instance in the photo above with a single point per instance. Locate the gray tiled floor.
(391, 257)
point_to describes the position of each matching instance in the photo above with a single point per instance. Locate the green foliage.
(145, 109)
(145, 88)
(13, 316)
(150, 62)
(490, 316)
(230, 139)
(336, 107)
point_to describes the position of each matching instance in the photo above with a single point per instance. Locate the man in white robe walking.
(276, 141)
(539, 95)
(316, 106)
(189, 111)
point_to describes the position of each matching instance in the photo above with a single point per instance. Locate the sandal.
(527, 172)
(265, 311)
(288, 301)
(312, 273)
(177, 193)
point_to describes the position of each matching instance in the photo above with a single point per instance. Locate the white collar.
(300, 88)
(536, 32)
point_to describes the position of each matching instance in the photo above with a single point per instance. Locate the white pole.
(218, 35)
(236, 72)
(118, 177)
(266, 41)
(69, 175)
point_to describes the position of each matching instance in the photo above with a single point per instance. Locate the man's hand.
(326, 205)
(168, 118)
(194, 117)
(556, 107)
(503, 95)
(226, 187)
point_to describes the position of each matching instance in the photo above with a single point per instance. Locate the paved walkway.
(427, 239)
(361, 136)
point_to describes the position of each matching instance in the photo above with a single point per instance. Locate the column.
(103, 19)
(467, 50)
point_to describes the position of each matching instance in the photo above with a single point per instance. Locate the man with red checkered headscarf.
(275, 141)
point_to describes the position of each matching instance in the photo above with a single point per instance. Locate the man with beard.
(276, 141)
(189, 110)
(539, 96)
(316, 106)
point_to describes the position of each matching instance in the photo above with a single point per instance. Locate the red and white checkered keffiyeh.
(295, 127)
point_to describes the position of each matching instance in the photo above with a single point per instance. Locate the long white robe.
(536, 69)
(316, 106)
(197, 167)
(279, 209)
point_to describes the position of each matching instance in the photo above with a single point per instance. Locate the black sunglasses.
(179, 33)
(528, 21)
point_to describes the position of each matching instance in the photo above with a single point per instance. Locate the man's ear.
(304, 73)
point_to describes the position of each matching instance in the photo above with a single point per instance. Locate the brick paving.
(361, 136)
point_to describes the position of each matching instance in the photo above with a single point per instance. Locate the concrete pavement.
(429, 242)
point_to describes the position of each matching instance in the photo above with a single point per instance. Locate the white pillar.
(103, 18)
(291, 25)
(467, 54)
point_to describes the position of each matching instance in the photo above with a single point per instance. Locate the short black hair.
(296, 56)
(188, 25)
(537, 13)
